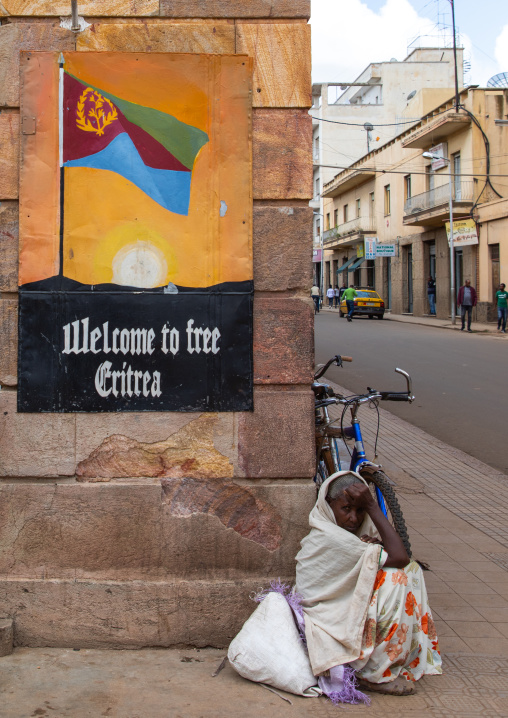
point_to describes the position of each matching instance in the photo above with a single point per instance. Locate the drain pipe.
(75, 18)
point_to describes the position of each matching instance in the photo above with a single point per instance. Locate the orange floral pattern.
(399, 637)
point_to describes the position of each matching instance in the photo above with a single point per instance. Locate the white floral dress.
(399, 637)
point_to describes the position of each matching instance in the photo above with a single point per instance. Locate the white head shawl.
(335, 574)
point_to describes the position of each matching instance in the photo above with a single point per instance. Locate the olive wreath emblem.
(103, 112)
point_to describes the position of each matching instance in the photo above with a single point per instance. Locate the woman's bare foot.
(398, 687)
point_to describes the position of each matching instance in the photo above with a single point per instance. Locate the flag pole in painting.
(61, 61)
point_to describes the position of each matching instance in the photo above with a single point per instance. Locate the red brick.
(282, 158)
(282, 248)
(277, 440)
(283, 341)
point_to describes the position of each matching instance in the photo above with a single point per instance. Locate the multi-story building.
(382, 95)
(398, 196)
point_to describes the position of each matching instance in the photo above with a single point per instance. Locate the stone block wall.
(151, 529)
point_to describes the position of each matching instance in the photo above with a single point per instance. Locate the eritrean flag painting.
(152, 149)
(135, 274)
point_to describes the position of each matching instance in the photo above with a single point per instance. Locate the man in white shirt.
(330, 293)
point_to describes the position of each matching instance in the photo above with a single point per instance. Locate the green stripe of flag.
(182, 140)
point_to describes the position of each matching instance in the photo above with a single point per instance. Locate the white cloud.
(347, 35)
(502, 49)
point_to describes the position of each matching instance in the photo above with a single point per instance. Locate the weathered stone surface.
(9, 238)
(9, 155)
(277, 439)
(283, 341)
(194, 529)
(282, 158)
(86, 7)
(8, 342)
(15, 37)
(282, 240)
(205, 37)
(235, 507)
(34, 445)
(6, 636)
(188, 452)
(87, 614)
(282, 62)
(236, 8)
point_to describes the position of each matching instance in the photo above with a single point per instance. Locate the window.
(371, 205)
(345, 213)
(387, 200)
(407, 187)
(358, 208)
(318, 229)
(328, 220)
(316, 187)
(316, 147)
(336, 218)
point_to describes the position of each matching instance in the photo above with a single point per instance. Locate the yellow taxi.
(367, 303)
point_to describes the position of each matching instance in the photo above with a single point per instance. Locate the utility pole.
(457, 99)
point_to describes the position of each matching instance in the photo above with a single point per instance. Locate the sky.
(347, 35)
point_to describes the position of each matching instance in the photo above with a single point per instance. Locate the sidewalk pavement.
(456, 509)
(429, 321)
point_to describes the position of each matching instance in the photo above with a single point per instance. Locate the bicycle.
(328, 457)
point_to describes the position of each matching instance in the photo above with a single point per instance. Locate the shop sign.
(317, 255)
(440, 151)
(360, 251)
(370, 247)
(464, 232)
(386, 250)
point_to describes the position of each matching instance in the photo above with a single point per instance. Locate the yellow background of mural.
(103, 212)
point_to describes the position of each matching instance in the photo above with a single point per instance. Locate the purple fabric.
(340, 686)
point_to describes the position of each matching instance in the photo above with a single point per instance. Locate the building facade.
(385, 94)
(399, 197)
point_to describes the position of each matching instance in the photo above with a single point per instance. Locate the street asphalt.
(459, 379)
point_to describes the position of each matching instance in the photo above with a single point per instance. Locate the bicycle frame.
(359, 457)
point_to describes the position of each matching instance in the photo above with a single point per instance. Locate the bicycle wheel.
(378, 480)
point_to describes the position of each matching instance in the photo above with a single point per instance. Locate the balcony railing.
(461, 192)
(359, 225)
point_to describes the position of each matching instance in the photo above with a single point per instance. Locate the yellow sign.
(464, 232)
(360, 251)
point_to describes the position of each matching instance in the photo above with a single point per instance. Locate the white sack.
(269, 649)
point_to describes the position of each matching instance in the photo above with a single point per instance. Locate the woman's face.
(347, 516)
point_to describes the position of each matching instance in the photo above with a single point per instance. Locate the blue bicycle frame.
(359, 457)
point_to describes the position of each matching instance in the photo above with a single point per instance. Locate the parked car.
(367, 303)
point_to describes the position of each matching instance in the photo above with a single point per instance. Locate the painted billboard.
(136, 233)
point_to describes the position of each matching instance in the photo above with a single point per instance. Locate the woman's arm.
(361, 497)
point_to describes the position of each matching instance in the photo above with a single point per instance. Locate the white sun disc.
(140, 265)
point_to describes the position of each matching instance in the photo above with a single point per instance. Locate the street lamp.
(321, 272)
(430, 156)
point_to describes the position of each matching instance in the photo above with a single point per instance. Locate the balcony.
(432, 208)
(347, 180)
(437, 130)
(349, 232)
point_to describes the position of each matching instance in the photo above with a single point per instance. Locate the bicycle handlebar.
(337, 359)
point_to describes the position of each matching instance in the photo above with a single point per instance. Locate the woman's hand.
(370, 539)
(360, 497)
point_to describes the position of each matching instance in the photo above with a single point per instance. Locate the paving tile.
(494, 600)
(492, 646)
(474, 629)
(469, 587)
(460, 613)
(493, 614)
(445, 599)
(503, 627)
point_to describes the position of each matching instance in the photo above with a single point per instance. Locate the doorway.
(409, 279)
(388, 299)
(459, 273)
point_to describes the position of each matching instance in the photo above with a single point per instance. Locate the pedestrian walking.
(502, 308)
(467, 300)
(337, 297)
(330, 293)
(349, 295)
(431, 294)
(314, 293)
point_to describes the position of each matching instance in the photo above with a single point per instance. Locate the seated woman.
(364, 600)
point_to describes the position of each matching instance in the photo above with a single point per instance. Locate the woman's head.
(347, 514)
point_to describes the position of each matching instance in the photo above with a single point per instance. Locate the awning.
(344, 266)
(356, 264)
